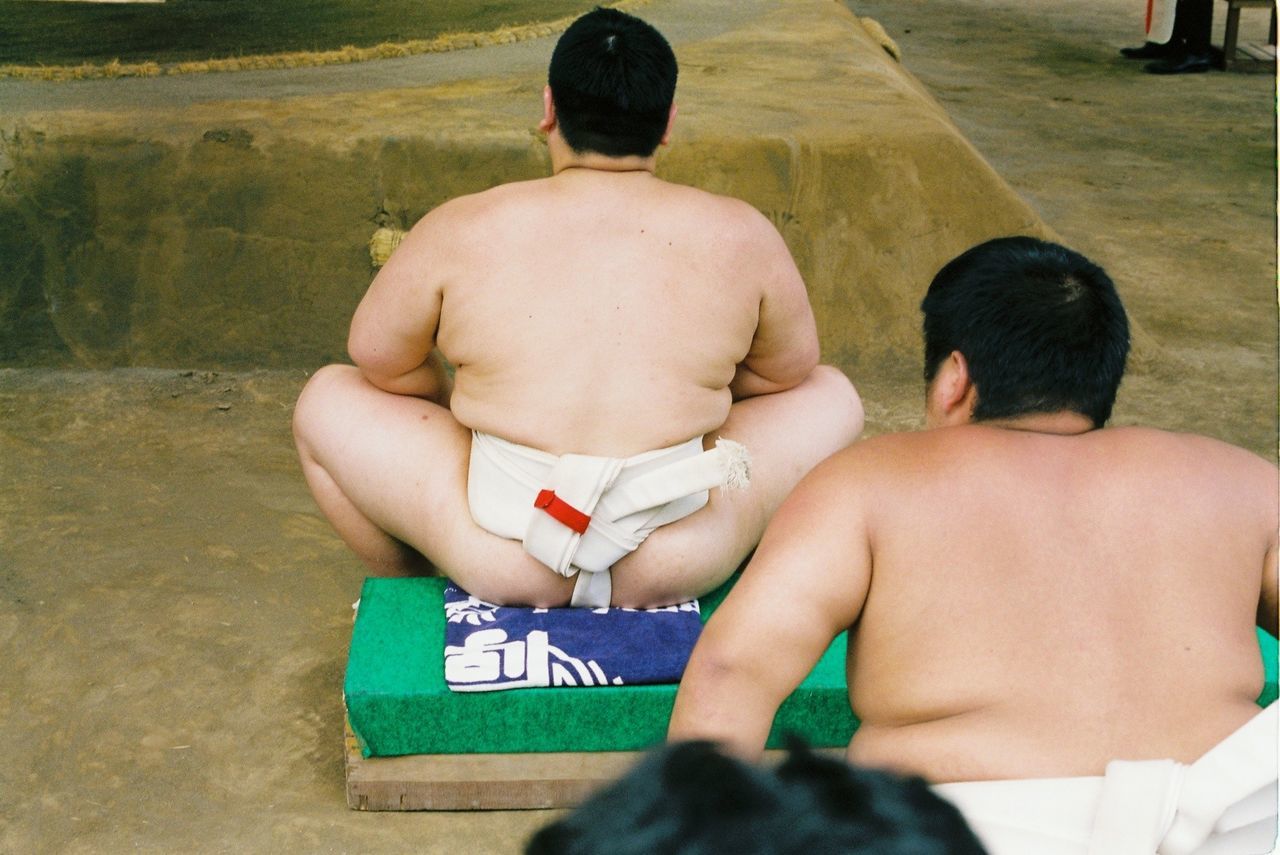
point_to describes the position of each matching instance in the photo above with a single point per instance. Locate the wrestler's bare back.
(595, 312)
(1044, 604)
(1026, 604)
(600, 311)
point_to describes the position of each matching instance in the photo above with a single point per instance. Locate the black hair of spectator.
(691, 799)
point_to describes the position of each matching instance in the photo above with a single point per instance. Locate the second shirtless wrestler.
(1052, 620)
(621, 345)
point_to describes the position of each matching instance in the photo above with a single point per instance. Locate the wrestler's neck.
(952, 397)
(1061, 423)
(566, 161)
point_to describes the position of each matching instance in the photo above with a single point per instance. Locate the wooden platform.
(530, 781)
(478, 781)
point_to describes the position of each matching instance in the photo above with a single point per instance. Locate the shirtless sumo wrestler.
(1028, 595)
(600, 311)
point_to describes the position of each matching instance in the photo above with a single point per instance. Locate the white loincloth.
(625, 499)
(1225, 802)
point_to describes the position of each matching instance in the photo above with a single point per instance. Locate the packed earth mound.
(225, 221)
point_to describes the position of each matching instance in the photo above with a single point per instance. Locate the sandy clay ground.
(174, 614)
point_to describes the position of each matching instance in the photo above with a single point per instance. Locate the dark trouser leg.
(1193, 25)
(1190, 39)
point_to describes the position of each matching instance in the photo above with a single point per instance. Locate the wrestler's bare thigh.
(401, 463)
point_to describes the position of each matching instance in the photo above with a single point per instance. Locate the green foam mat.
(398, 703)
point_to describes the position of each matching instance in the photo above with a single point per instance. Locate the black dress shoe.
(1192, 63)
(1150, 50)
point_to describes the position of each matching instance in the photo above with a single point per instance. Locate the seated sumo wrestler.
(1029, 596)
(690, 798)
(621, 345)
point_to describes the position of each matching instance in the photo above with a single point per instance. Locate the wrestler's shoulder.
(489, 202)
(726, 211)
(1182, 446)
(1202, 464)
(889, 455)
(469, 221)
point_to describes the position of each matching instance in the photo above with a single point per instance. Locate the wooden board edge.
(480, 782)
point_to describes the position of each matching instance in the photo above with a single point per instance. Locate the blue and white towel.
(490, 647)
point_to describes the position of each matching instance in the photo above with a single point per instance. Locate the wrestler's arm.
(806, 583)
(785, 346)
(392, 337)
(1268, 599)
(1258, 479)
(1268, 602)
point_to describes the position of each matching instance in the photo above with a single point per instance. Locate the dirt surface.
(174, 612)
(1167, 182)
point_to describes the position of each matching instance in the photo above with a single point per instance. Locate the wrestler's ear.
(952, 394)
(671, 120)
(548, 111)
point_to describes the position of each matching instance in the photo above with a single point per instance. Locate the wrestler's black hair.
(690, 799)
(613, 80)
(1041, 327)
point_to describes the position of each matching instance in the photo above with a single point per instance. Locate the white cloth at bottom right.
(1225, 803)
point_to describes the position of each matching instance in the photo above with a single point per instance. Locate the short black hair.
(613, 80)
(690, 798)
(1041, 327)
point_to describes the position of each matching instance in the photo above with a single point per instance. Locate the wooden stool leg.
(1231, 35)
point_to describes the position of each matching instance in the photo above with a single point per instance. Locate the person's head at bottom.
(691, 798)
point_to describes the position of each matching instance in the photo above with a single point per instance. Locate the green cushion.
(1269, 649)
(398, 702)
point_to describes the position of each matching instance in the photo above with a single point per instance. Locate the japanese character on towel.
(490, 647)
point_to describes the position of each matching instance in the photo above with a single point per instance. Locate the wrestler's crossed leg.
(787, 434)
(390, 470)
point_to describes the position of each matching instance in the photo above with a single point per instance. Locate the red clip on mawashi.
(562, 511)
